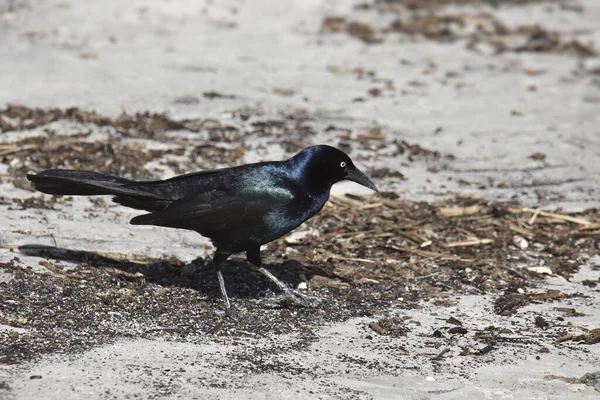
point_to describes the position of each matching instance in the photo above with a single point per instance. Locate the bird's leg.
(253, 256)
(218, 260)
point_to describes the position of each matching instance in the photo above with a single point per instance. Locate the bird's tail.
(85, 183)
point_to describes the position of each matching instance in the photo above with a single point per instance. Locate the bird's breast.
(282, 221)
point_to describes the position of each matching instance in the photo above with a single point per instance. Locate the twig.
(590, 227)
(352, 234)
(426, 253)
(377, 328)
(440, 355)
(336, 201)
(368, 206)
(353, 259)
(379, 235)
(390, 204)
(473, 218)
(586, 234)
(125, 274)
(469, 243)
(449, 212)
(485, 350)
(562, 217)
(534, 216)
(564, 338)
(345, 201)
(17, 149)
(418, 278)
(413, 237)
(520, 230)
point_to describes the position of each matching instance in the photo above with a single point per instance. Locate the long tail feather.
(85, 183)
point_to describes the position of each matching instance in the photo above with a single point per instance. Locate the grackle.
(239, 208)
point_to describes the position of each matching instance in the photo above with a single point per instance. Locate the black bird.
(239, 208)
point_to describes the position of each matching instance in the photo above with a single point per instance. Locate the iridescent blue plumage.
(238, 208)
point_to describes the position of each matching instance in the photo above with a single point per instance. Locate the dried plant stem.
(469, 243)
(560, 217)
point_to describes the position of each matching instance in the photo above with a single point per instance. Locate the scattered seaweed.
(479, 30)
(357, 257)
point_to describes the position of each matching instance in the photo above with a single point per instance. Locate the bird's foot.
(231, 313)
(291, 297)
(297, 293)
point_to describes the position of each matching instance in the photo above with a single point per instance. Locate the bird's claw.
(295, 298)
(230, 313)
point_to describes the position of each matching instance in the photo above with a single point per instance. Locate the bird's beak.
(357, 176)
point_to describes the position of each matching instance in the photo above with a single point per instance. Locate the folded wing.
(219, 215)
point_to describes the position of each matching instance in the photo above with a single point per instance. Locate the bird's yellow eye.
(343, 164)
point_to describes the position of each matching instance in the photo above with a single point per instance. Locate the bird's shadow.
(241, 279)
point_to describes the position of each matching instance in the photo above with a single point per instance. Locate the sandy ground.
(485, 113)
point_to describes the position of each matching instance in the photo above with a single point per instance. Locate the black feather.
(239, 208)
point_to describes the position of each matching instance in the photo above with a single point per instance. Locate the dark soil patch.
(359, 256)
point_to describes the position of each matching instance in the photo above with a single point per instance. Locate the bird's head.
(326, 165)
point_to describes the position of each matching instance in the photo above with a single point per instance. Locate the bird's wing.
(216, 211)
